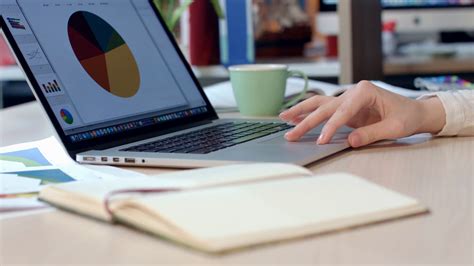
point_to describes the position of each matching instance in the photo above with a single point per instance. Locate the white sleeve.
(459, 108)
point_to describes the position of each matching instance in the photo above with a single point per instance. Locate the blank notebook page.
(278, 207)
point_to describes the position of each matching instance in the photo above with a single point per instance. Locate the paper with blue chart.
(28, 167)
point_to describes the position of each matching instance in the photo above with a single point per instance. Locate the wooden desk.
(439, 172)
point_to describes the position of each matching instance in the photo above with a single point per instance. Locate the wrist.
(433, 115)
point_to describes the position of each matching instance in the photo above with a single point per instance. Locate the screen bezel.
(332, 8)
(122, 137)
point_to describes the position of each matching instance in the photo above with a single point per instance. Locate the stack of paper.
(28, 167)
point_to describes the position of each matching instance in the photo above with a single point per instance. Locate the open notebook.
(228, 207)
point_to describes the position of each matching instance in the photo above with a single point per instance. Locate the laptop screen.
(104, 67)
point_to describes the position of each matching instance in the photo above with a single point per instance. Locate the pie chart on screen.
(66, 116)
(103, 54)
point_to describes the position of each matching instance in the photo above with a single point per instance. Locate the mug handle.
(297, 98)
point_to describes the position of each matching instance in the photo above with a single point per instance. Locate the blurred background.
(420, 38)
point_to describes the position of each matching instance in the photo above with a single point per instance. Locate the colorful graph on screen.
(30, 157)
(66, 116)
(103, 54)
(51, 87)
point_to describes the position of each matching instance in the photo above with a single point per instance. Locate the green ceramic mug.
(259, 89)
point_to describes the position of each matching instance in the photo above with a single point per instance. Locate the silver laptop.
(118, 91)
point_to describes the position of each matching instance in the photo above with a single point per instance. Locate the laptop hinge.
(141, 137)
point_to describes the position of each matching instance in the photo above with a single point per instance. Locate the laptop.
(118, 90)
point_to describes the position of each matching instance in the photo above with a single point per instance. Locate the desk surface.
(439, 172)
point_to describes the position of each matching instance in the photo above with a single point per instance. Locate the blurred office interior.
(419, 38)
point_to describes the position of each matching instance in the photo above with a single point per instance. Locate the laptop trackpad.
(312, 136)
(308, 138)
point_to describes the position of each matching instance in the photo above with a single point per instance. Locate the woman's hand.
(375, 114)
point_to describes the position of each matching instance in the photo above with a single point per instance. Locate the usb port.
(116, 160)
(104, 159)
(89, 159)
(129, 160)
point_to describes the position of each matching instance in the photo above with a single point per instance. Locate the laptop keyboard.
(212, 138)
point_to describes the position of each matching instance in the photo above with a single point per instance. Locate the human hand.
(375, 114)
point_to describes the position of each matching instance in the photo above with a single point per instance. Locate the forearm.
(458, 109)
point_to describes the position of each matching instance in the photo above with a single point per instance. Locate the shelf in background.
(428, 65)
(323, 68)
(315, 69)
(393, 66)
